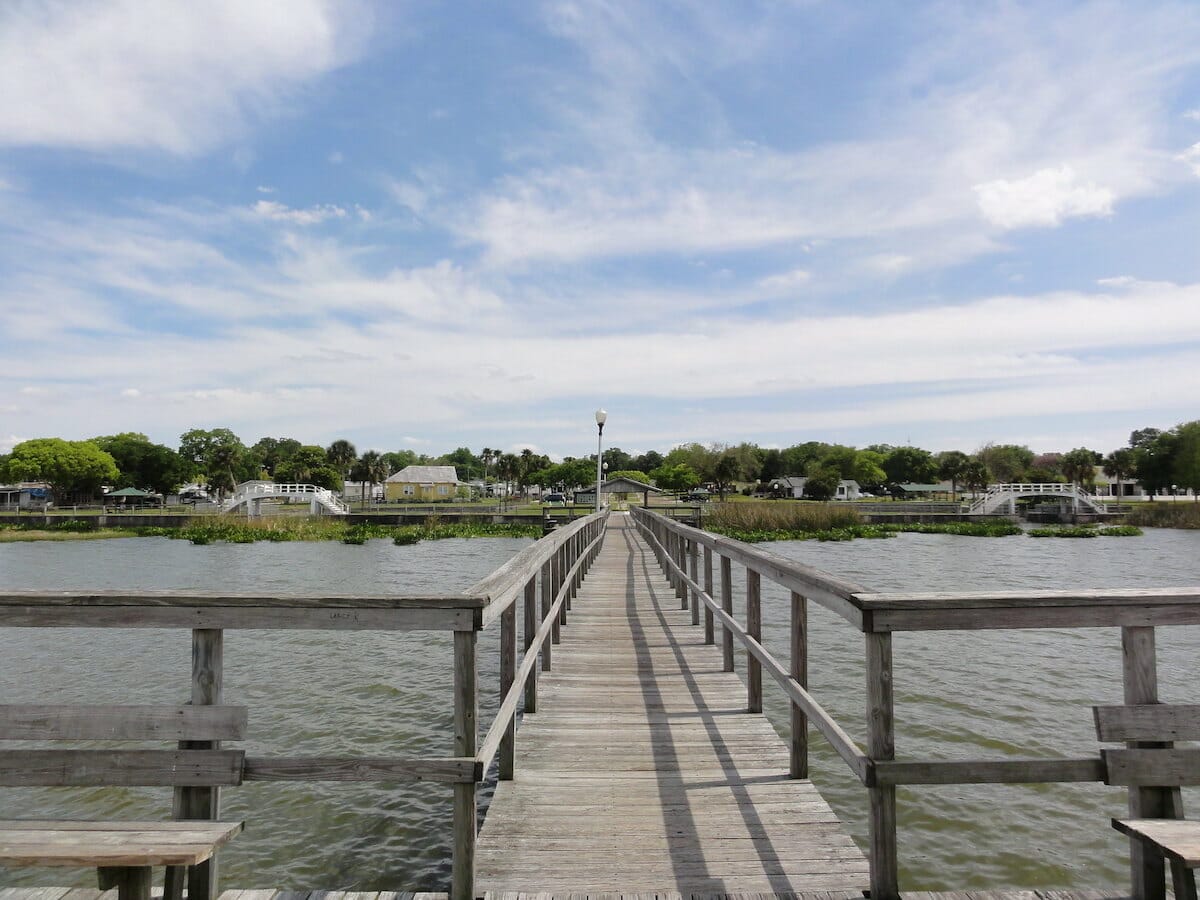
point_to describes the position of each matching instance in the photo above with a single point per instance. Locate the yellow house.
(421, 484)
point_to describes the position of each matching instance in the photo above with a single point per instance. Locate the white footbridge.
(251, 494)
(1002, 498)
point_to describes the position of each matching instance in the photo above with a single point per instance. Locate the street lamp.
(601, 418)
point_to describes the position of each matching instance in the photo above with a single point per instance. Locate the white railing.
(250, 491)
(1000, 494)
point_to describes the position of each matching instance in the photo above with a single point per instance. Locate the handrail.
(877, 615)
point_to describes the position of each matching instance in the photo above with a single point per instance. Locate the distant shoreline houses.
(422, 483)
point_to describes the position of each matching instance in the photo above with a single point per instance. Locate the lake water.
(999, 694)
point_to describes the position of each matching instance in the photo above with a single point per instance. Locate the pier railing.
(689, 557)
(551, 569)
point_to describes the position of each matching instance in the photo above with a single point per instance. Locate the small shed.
(413, 483)
(133, 497)
(618, 486)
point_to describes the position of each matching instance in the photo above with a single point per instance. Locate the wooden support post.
(881, 745)
(754, 630)
(693, 565)
(556, 581)
(530, 629)
(1147, 869)
(462, 876)
(508, 674)
(681, 561)
(547, 602)
(799, 673)
(727, 606)
(131, 882)
(708, 589)
(208, 664)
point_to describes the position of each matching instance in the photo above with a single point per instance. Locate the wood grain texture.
(641, 769)
(125, 768)
(1148, 722)
(48, 843)
(44, 722)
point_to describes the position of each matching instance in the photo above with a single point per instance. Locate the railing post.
(462, 875)
(547, 602)
(1140, 671)
(754, 630)
(881, 745)
(799, 673)
(530, 630)
(556, 576)
(564, 562)
(681, 561)
(508, 674)
(708, 589)
(727, 607)
(693, 563)
(208, 671)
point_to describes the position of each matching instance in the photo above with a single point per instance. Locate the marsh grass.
(830, 522)
(1165, 515)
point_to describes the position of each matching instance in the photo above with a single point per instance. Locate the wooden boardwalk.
(641, 770)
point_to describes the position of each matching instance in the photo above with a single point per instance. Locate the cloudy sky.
(424, 225)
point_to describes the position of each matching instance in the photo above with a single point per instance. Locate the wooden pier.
(642, 771)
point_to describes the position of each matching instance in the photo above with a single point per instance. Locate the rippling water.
(327, 693)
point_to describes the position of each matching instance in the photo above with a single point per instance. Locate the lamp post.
(601, 418)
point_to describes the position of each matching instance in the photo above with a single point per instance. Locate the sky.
(422, 225)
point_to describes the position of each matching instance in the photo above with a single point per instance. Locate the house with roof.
(422, 483)
(793, 486)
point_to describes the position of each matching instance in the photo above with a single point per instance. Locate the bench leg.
(1184, 881)
(131, 882)
(173, 882)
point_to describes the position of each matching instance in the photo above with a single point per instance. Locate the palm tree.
(523, 472)
(1120, 464)
(341, 455)
(951, 465)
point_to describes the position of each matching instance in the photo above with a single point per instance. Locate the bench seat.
(122, 852)
(1175, 838)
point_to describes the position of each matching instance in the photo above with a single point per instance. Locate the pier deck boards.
(642, 771)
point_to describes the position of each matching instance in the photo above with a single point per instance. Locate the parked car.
(697, 496)
(554, 500)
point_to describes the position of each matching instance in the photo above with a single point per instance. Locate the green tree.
(727, 471)
(822, 482)
(631, 474)
(974, 476)
(796, 459)
(1007, 463)
(868, 470)
(1186, 463)
(310, 465)
(950, 465)
(369, 470)
(143, 464)
(270, 452)
(1079, 466)
(399, 459)
(910, 465)
(1154, 459)
(677, 477)
(75, 470)
(341, 455)
(648, 461)
(1120, 464)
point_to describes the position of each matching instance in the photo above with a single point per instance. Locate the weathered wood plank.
(1148, 722)
(91, 768)
(44, 722)
(1152, 768)
(43, 845)
(329, 768)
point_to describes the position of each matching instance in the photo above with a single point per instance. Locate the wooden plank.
(989, 771)
(257, 617)
(1148, 722)
(127, 845)
(1167, 611)
(798, 767)
(220, 599)
(371, 768)
(881, 746)
(43, 722)
(94, 768)
(1177, 838)
(1152, 768)
(466, 710)
(753, 632)
(508, 675)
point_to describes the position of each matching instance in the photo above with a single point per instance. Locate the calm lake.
(998, 694)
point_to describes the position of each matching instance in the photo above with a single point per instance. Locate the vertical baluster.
(531, 620)
(693, 566)
(708, 589)
(462, 875)
(508, 674)
(563, 582)
(727, 606)
(547, 602)
(754, 629)
(799, 673)
(881, 745)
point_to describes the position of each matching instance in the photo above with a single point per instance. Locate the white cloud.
(131, 393)
(1045, 198)
(314, 215)
(785, 281)
(263, 189)
(164, 74)
(336, 158)
(7, 443)
(1193, 114)
(1191, 156)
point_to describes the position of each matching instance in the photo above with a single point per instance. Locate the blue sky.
(428, 225)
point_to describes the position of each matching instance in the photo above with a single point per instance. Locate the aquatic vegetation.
(984, 528)
(1165, 515)
(1086, 531)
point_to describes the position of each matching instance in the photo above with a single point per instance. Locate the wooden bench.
(1154, 770)
(124, 852)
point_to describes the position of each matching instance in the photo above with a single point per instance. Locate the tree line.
(76, 470)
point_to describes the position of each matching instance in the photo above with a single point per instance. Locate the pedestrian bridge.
(1002, 498)
(250, 494)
